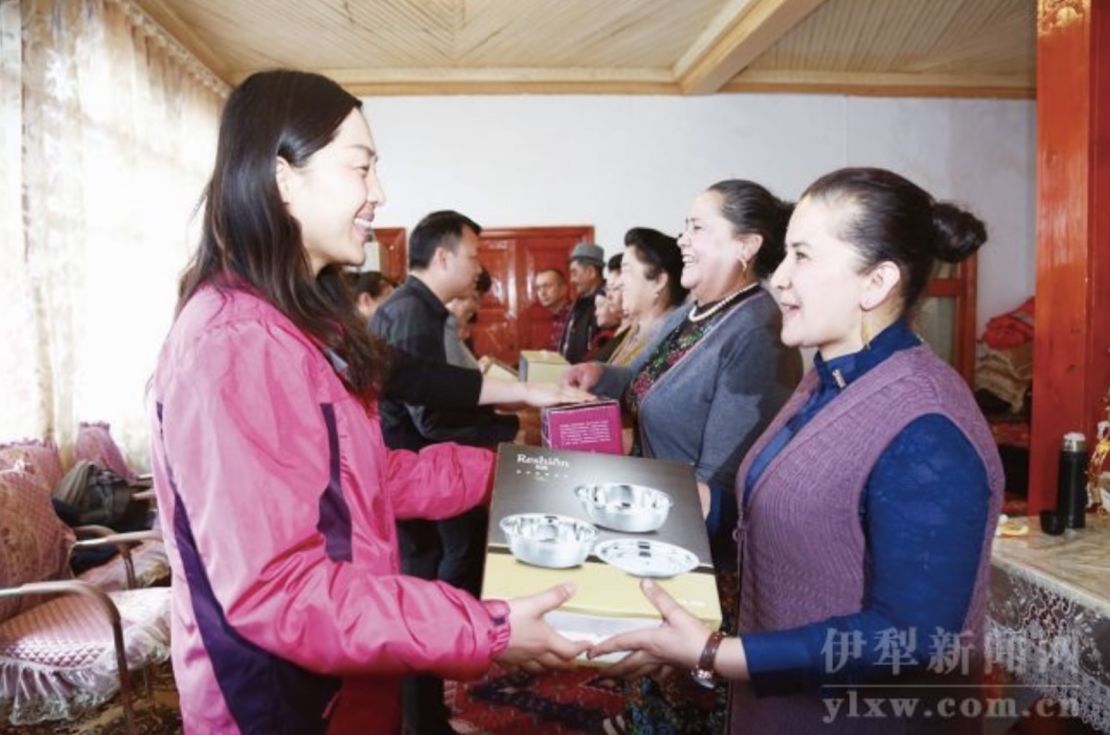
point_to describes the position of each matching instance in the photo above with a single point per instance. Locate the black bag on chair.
(96, 496)
(91, 495)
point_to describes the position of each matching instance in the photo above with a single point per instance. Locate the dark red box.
(584, 427)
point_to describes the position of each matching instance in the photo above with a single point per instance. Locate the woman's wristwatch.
(703, 674)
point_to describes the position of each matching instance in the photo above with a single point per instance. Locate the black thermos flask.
(1071, 488)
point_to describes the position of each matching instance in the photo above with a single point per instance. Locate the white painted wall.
(619, 161)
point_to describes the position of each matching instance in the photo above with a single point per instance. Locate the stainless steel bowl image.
(622, 507)
(549, 540)
(646, 558)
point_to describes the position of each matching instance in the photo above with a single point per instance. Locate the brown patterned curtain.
(107, 134)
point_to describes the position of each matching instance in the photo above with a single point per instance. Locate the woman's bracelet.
(704, 674)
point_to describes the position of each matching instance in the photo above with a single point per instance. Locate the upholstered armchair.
(142, 559)
(34, 463)
(67, 645)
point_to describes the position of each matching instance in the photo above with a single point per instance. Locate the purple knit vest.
(801, 543)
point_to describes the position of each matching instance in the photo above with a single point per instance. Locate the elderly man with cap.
(587, 268)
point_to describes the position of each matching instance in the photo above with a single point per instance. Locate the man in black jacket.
(587, 265)
(443, 264)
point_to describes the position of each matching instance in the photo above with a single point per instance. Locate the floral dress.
(677, 705)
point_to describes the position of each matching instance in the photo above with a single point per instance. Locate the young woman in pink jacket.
(279, 497)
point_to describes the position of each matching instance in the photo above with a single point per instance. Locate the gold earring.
(864, 334)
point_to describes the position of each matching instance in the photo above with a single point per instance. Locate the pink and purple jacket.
(278, 501)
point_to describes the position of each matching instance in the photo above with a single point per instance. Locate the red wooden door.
(495, 333)
(506, 323)
(393, 256)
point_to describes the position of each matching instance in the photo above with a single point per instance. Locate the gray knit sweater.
(711, 406)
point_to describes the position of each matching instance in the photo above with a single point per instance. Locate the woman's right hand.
(533, 644)
(678, 641)
(584, 375)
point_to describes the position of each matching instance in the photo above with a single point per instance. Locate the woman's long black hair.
(249, 239)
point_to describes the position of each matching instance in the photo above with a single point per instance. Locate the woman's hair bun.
(957, 232)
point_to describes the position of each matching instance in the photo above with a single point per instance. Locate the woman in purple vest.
(868, 505)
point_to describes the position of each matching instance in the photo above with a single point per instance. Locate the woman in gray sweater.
(709, 384)
(717, 372)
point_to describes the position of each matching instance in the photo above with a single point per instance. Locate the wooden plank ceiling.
(898, 47)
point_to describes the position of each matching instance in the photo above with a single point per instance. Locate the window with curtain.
(107, 136)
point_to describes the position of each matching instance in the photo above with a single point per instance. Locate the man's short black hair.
(558, 273)
(438, 229)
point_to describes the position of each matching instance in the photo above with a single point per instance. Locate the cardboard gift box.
(608, 599)
(498, 370)
(542, 366)
(584, 427)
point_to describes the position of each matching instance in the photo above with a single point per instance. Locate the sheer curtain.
(108, 135)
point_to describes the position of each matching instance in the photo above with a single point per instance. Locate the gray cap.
(590, 253)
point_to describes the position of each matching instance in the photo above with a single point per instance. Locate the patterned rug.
(580, 701)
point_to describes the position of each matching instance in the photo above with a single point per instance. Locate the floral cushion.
(36, 458)
(34, 543)
(95, 444)
(57, 659)
(25, 481)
